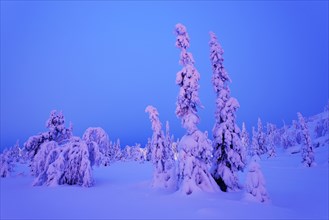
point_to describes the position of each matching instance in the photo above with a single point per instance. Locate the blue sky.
(102, 63)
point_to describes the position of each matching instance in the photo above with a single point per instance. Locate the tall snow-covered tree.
(164, 175)
(255, 182)
(270, 140)
(307, 148)
(229, 154)
(194, 147)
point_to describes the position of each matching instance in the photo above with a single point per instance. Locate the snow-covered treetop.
(56, 121)
(220, 77)
(183, 40)
(154, 117)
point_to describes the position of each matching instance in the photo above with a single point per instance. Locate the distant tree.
(164, 175)
(245, 141)
(254, 148)
(6, 163)
(229, 153)
(148, 149)
(255, 182)
(307, 148)
(261, 137)
(270, 140)
(296, 132)
(194, 147)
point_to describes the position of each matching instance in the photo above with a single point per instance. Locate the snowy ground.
(123, 191)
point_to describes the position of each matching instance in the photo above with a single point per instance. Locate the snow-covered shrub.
(98, 144)
(307, 148)
(255, 182)
(270, 140)
(195, 147)
(66, 164)
(164, 175)
(229, 154)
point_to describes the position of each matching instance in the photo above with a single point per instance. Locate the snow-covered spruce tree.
(57, 132)
(67, 164)
(98, 144)
(261, 137)
(307, 148)
(245, 141)
(270, 140)
(194, 147)
(229, 154)
(255, 182)
(164, 175)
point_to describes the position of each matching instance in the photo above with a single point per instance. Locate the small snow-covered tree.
(66, 164)
(98, 144)
(307, 148)
(148, 149)
(288, 137)
(261, 137)
(164, 175)
(116, 151)
(245, 141)
(255, 182)
(296, 132)
(270, 140)
(254, 148)
(195, 147)
(229, 153)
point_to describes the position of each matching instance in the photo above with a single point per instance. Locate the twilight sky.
(102, 63)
